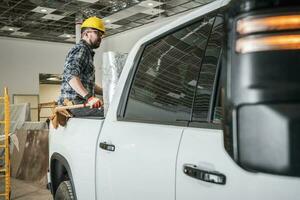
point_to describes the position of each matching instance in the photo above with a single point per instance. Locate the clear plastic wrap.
(113, 63)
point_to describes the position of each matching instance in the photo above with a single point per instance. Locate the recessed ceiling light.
(10, 29)
(44, 10)
(107, 21)
(150, 4)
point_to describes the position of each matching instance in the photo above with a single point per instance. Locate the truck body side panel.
(77, 144)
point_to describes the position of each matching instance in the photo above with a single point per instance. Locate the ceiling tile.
(57, 12)
(53, 17)
(176, 2)
(71, 39)
(112, 26)
(190, 5)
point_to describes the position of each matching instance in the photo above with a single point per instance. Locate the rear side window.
(164, 85)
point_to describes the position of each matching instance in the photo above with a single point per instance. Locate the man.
(78, 84)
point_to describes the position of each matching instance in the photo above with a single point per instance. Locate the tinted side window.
(207, 77)
(164, 84)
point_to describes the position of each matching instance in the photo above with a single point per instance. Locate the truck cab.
(170, 130)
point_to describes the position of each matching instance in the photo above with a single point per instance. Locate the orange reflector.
(253, 25)
(268, 43)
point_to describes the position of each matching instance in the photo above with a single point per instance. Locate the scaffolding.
(4, 147)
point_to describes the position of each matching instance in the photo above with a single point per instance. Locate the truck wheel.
(64, 191)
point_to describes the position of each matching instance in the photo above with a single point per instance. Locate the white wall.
(21, 61)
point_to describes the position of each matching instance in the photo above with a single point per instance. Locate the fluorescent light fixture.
(53, 79)
(107, 20)
(151, 72)
(192, 83)
(150, 3)
(89, 1)
(43, 10)
(176, 96)
(9, 28)
(66, 35)
(19, 33)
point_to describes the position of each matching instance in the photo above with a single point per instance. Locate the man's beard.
(95, 45)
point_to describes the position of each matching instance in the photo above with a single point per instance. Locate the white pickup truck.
(163, 138)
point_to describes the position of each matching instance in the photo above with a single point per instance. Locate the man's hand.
(94, 102)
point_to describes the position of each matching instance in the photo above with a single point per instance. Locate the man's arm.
(98, 90)
(76, 84)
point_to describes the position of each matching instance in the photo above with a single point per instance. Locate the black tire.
(64, 191)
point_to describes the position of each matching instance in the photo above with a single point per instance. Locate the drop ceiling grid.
(20, 15)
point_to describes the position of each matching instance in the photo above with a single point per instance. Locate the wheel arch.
(60, 171)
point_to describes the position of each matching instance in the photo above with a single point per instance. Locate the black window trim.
(213, 99)
(130, 79)
(198, 78)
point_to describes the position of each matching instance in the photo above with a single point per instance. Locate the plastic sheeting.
(113, 64)
(19, 113)
(30, 162)
(33, 134)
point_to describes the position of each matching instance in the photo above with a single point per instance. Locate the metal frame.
(5, 172)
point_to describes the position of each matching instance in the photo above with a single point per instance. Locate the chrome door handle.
(107, 147)
(204, 175)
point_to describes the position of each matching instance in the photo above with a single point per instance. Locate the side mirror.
(262, 88)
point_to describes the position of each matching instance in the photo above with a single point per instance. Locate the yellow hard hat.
(94, 22)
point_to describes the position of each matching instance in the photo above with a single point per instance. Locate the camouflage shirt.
(80, 63)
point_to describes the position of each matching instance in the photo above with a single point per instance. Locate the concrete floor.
(22, 190)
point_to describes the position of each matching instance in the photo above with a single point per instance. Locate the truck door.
(137, 149)
(204, 169)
